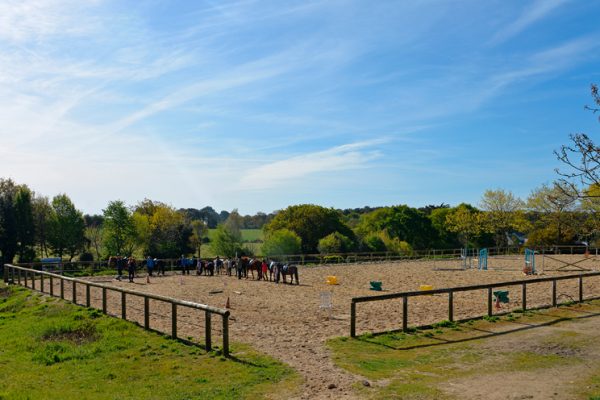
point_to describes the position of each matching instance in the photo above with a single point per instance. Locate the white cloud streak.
(536, 12)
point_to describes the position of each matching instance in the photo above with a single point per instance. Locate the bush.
(335, 243)
(281, 242)
(373, 242)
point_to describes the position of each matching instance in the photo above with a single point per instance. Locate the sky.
(258, 105)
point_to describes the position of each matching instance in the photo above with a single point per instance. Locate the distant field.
(54, 350)
(248, 235)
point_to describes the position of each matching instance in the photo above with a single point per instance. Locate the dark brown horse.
(251, 266)
(283, 270)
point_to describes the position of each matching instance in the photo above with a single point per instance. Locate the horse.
(209, 268)
(273, 267)
(252, 265)
(284, 271)
(242, 267)
(200, 266)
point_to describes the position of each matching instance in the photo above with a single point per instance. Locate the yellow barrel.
(425, 287)
(332, 280)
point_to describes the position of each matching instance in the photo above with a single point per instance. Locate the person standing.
(131, 268)
(150, 265)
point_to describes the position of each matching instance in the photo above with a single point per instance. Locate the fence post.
(226, 334)
(123, 305)
(524, 296)
(5, 272)
(51, 286)
(554, 293)
(451, 306)
(352, 319)
(88, 301)
(174, 320)
(41, 282)
(489, 301)
(62, 288)
(19, 276)
(25, 275)
(104, 300)
(208, 338)
(580, 288)
(146, 312)
(33, 279)
(404, 314)
(74, 292)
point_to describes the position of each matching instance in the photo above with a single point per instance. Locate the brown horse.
(283, 270)
(251, 265)
(292, 271)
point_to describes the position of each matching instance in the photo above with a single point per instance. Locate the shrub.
(335, 243)
(281, 242)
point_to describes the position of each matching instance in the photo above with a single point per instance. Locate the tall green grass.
(51, 349)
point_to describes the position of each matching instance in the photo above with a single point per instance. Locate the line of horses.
(244, 267)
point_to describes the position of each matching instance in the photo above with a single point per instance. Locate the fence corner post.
(226, 334)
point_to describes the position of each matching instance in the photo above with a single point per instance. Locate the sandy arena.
(286, 321)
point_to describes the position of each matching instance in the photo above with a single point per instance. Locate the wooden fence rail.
(16, 274)
(450, 291)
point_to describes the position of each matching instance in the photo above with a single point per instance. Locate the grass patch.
(421, 365)
(71, 352)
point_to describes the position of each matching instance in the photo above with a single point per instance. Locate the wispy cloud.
(537, 11)
(288, 171)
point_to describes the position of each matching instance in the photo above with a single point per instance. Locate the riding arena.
(292, 321)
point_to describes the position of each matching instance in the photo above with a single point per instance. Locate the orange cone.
(227, 304)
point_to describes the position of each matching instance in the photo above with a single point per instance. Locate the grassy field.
(546, 354)
(248, 235)
(54, 350)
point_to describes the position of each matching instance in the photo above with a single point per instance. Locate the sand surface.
(287, 321)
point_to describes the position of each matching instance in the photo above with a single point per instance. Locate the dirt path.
(286, 321)
(574, 345)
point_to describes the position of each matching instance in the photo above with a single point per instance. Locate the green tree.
(335, 243)
(25, 226)
(226, 243)
(67, 227)
(310, 222)
(161, 230)
(281, 242)
(234, 223)
(445, 238)
(9, 244)
(503, 214)
(405, 223)
(42, 214)
(119, 230)
(199, 232)
(554, 209)
(467, 222)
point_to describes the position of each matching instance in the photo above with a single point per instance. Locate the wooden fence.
(450, 292)
(28, 277)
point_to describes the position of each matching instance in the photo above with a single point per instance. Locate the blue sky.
(258, 105)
